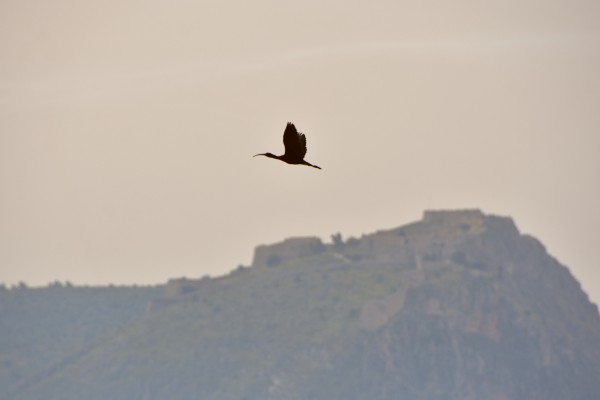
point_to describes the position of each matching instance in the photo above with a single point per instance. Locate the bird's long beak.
(261, 154)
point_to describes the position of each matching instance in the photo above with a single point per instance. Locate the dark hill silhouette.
(459, 305)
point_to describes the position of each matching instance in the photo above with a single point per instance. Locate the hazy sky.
(127, 128)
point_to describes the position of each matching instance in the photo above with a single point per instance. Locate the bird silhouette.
(295, 147)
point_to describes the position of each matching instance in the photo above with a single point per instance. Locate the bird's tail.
(310, 165)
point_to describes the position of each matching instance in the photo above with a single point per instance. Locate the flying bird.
(295, 147)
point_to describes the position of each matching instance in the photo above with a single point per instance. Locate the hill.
(459, 305)
(44, 329)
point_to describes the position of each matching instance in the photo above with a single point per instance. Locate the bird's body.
(295, 147)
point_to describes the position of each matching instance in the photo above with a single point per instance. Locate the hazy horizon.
(127, 131)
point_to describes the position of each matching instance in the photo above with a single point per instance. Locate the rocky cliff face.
(458, 305)
(481, 311)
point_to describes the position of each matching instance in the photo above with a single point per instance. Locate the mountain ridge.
(458, 305)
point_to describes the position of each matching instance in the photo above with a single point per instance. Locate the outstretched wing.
(294, 142)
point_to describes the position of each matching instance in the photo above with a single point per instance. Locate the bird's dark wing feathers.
(294, 142)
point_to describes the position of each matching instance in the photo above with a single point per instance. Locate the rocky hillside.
(44, 329)
(459, 305)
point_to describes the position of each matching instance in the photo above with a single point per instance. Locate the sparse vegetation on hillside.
(44, 329)
(457, 306)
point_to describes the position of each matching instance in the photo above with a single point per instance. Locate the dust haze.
(127, 130)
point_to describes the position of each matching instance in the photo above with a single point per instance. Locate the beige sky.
(127, 128)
